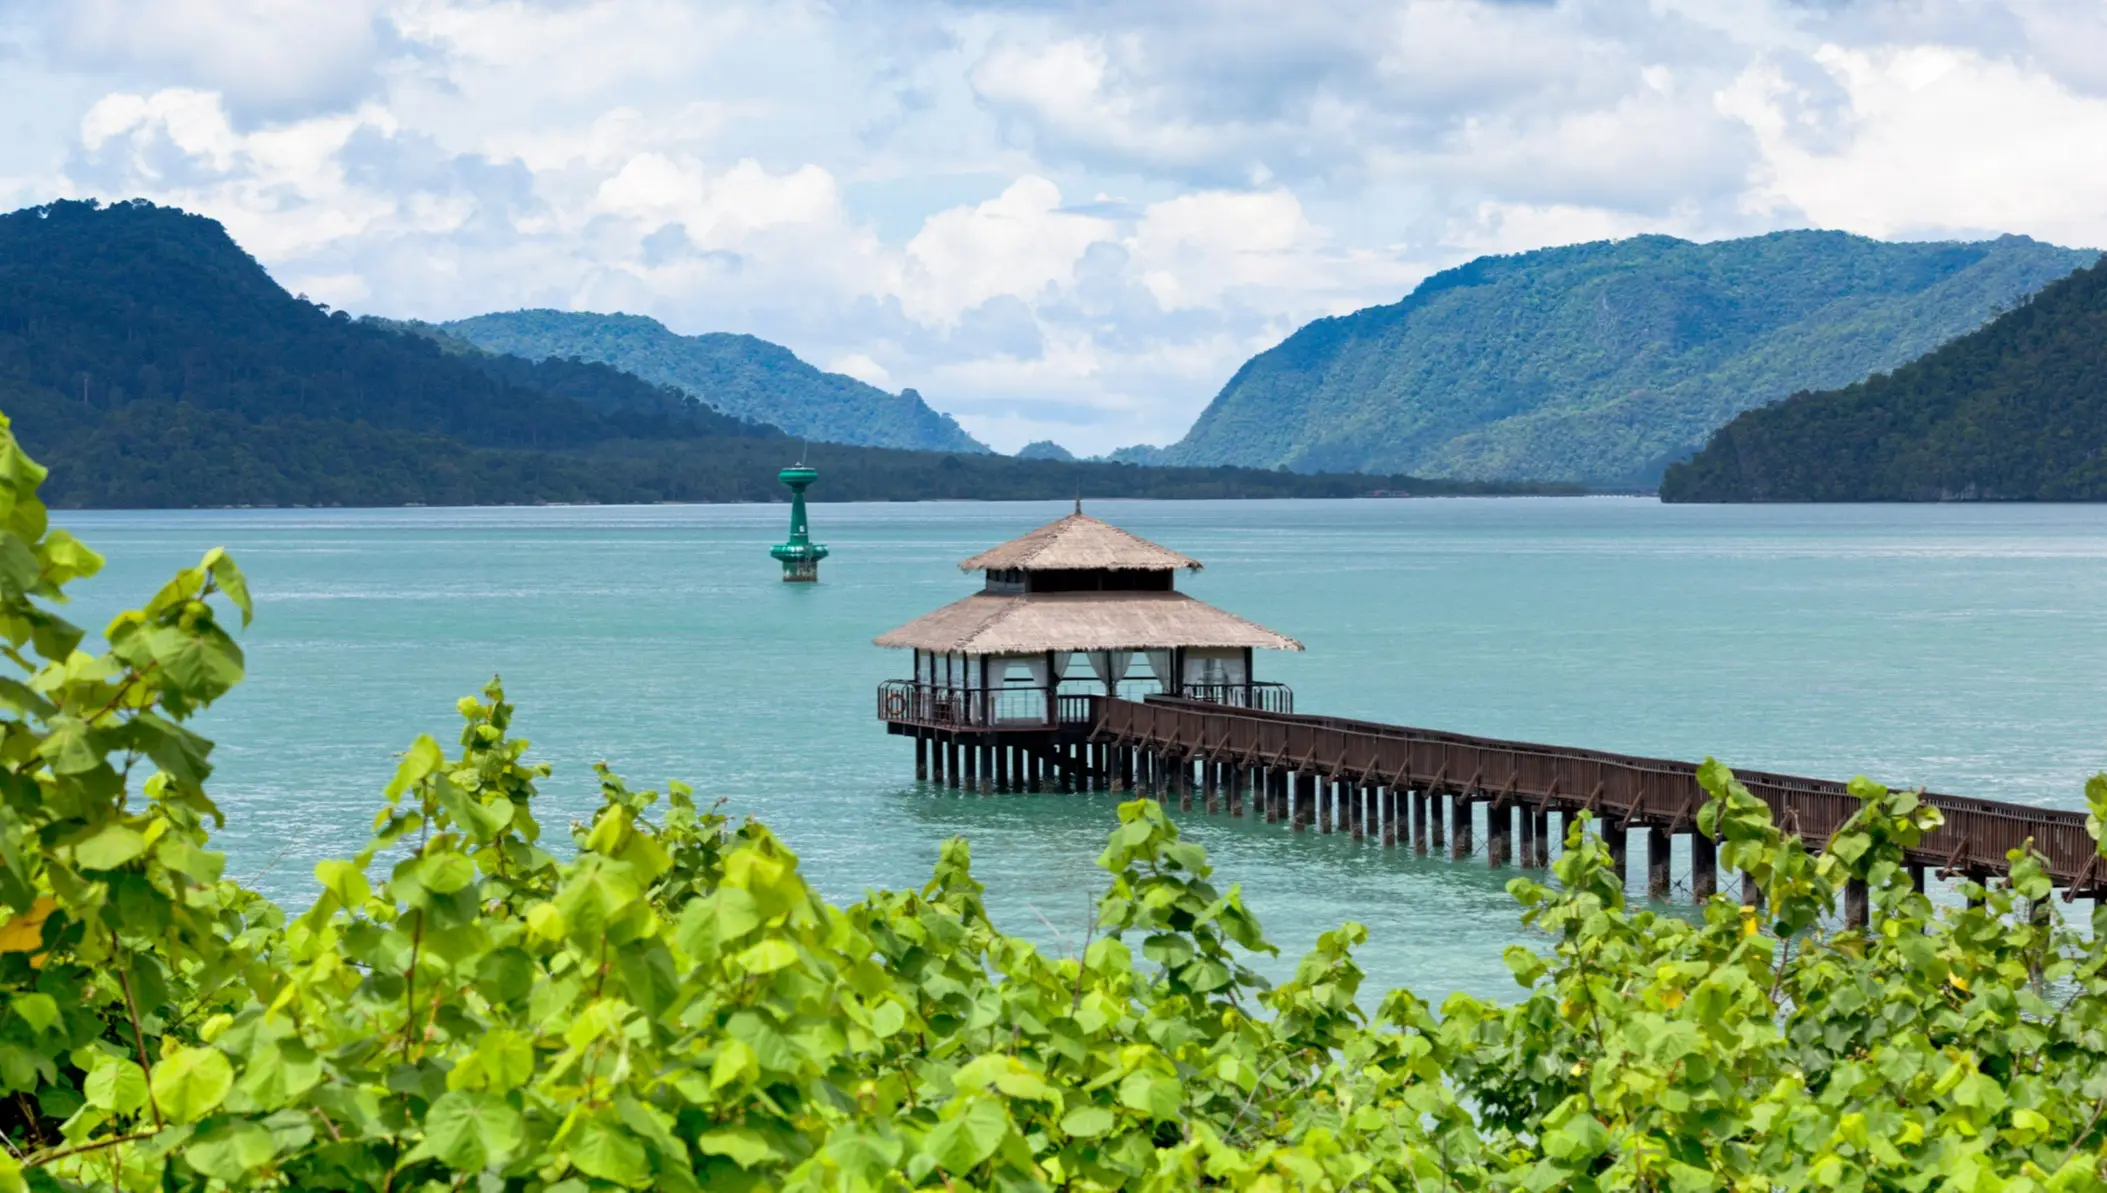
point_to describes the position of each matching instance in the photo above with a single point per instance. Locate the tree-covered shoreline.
(2016, 411)
(156, 365)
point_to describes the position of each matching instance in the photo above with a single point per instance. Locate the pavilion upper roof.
(987, 624)
(1079, 542)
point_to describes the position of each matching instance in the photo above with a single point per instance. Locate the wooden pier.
(999, 702)
(1424, 790)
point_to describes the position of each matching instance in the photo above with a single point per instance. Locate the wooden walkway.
(1419, 788)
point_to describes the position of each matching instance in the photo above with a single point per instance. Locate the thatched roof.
(1079, 542)
(986, 624)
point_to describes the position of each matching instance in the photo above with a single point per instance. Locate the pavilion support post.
(1857, 903)
(972, 775)
(1211, 786)
(1389, 817)
(1418, 800)
(1002, 768)
(1540, 853)
(1101, 767)
(1371, 814)
(1499, 834)
(1526, 854)
(1277, 797)
(1916, 877)
(1617, 835)
(1120, 779)
(1326, 811)
(1436, 834)
(1263, 789)
(951, 771)
(1462, 816)
(1658, 874)
(1236, 788)
(1302, 800)
(1704, 867)
(1182, 782)
(921, 755)
(1751, 894)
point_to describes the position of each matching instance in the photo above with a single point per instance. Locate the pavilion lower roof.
(1030, 623)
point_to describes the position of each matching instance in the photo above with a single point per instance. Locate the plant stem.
(131, 1008)
(42, 1158)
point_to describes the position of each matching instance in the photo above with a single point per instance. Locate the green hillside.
(1603, 362)
(741, 375)
(150, 362)
(2014, 411)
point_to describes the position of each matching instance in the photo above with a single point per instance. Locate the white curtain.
(1214, 667)
(1036, 665)
(1061, 659)
(1160, 667)
(1111, 666)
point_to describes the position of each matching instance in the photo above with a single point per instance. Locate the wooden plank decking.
(1655, 793)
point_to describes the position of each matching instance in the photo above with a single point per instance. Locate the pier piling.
(1704, 867)
(1658, 845)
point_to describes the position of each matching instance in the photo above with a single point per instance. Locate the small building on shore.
(1075, 611)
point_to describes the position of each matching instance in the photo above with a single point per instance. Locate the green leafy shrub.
(667, 1005)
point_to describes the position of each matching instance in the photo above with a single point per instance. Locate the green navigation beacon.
(800, 555)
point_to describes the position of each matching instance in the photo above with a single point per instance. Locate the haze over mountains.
(741, 375)
(1602, 362)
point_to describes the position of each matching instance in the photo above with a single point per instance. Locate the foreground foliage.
(668, 1005)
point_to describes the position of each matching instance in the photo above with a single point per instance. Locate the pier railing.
(960, 708)
(1636, 791)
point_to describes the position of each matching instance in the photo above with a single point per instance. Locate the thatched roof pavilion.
(1076, 602)
(1079, 542)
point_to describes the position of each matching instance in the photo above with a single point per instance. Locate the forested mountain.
(150, 362)
(1602, 362)
(1044, 449)
(2014, 411)
(741, 375)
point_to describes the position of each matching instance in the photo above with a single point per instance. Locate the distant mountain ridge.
(149, 362)
(741, 375)
(1601, 362)
(2016, 411)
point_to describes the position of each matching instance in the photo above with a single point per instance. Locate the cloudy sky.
(1056, 218)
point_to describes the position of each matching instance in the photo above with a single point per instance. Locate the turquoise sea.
(1962, 647)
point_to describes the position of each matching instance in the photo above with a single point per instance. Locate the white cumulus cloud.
(1056, 220)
